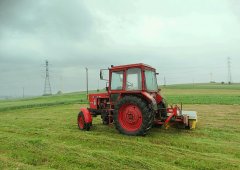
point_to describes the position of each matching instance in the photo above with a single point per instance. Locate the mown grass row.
(43, 105)
(44, 101)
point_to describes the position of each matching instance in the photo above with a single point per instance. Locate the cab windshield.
(134, 79)
(151, 80)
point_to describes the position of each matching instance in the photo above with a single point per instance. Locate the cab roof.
(138, 65)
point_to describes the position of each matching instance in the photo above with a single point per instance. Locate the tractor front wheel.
(132, 116)
(81, 122)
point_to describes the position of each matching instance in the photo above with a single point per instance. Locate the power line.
(87, 80)
(229, 70)
(47, 86)
(164, 81)
(23, 92)
(98, 86)
(211, 77)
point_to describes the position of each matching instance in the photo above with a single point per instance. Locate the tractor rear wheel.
(81, 122)
(132, 116)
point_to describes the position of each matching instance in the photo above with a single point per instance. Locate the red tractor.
(133, 103)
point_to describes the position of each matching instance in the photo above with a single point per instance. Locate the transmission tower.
(229, 70)
(47, 86)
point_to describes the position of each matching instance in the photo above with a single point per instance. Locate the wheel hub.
(130, 117)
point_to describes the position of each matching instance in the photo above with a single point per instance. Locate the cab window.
(151, 80)
(117, 80)
(134, 79)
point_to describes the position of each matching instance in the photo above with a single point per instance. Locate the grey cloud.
(47, 18)
(183, 40)
(235, 6)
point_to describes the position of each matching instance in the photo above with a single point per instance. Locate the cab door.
(116, 86)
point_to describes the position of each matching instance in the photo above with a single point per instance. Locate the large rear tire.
(132, 116)
(81, 122)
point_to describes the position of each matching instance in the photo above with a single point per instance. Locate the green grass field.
(203, 94)
(41, 133)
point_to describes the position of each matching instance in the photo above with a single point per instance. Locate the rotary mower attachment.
(179, 117)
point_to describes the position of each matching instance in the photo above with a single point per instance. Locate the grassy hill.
(42, 133)
(202, 93)
(215, 86)
(43, 101)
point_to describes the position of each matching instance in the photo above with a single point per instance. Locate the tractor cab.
(133, 77)
(137, 78)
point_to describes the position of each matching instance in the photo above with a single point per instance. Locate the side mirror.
(104, 74)
(101, 75)
(157, 73)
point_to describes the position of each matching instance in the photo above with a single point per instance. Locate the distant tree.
(59, 92)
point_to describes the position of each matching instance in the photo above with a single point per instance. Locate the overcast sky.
(185, 40)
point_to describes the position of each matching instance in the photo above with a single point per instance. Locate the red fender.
(87, 115)
(158, 98)
(151, 99)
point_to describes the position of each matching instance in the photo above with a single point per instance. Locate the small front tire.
(81, 122)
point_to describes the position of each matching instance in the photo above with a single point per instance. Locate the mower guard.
(190, 119)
